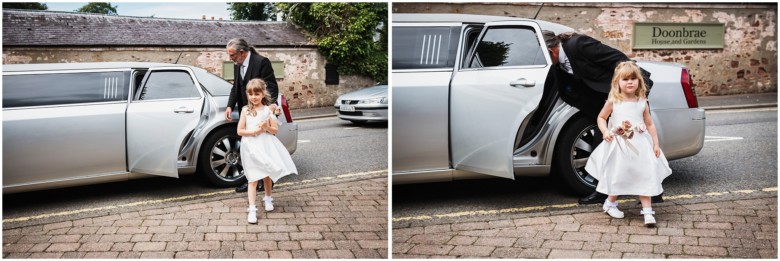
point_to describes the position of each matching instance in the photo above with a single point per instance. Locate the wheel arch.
(561, 117)
(199, 146)
(563, 120)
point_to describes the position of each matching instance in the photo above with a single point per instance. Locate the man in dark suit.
(249, 64)
(584, 75)
(583, 62)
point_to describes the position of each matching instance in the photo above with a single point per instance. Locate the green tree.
(345, 34)
(33, 6)
(98, 8)
(252, 11)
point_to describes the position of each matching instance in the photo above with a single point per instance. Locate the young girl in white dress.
(262, 154)
(629, 161)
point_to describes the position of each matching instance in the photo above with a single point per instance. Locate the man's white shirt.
(245, 65)
(563, 60)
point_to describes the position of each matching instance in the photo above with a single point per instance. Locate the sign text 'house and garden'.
(678, 36)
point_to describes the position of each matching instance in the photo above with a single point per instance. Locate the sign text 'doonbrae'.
(678, 36)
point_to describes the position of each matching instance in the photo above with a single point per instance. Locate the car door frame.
(163, 159)
(479, 142)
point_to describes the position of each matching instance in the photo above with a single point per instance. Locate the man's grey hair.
(550, 39)
(239, 44)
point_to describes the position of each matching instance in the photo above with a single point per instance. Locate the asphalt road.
(327, 147)
(740, 153)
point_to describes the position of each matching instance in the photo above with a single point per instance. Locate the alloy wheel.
(225, 158)
(583, 146)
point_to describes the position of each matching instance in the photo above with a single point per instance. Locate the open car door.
(498, 85)
(165, 109)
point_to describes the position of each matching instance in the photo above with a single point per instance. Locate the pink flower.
(619, 131)
(641, 128)
(627, 125)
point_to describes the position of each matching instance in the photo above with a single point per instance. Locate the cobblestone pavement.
(712, 226)
(325, 219)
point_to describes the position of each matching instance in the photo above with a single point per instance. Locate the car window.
(64, 88)
(471, 38)
(508, 46)
(138, 77)
(425, 47)
(215, 85)
(168, 85)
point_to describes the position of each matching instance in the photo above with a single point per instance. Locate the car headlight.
(382, 100)
(338, 102)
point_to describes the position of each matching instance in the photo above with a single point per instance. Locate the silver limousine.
(73, 124)
(469, 101)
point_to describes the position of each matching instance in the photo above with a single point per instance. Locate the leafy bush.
(345, 34)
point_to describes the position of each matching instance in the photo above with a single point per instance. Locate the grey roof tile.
(46, 28)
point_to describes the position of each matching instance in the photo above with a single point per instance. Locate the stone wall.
(304, 71)
(747, 63)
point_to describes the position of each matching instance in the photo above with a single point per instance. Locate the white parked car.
(71, 124)
(456, 117)
(368, 104)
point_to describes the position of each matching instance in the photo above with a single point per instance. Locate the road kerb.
(217, 195)
(474, 213)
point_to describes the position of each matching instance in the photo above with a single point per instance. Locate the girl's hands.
(264, 126)
(607, 136)
(261, 127)
(657, 151)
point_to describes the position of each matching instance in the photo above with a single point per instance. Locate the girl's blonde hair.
(257, 86)
(627, 70)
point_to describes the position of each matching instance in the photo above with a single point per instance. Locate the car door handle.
(522, 82)
(184, 109)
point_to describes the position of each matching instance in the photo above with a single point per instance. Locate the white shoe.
(612, 210)
(269, 203)
(649, 219)
(251, 216)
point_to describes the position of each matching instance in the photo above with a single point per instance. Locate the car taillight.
(687, 85)
(286, 110)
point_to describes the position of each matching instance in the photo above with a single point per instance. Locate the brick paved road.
(335, 219)
(732, 227)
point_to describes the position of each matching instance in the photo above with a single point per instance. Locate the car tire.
(219, 161)
(572, 151)
(358, 121)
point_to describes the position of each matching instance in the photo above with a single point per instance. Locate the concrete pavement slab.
(689, 226)
(310, 220)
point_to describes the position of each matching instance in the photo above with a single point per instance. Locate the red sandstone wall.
(747, 64)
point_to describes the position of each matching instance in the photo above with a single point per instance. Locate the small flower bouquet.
(276, 110)
(626, 130)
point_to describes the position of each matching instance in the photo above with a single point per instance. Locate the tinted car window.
(215, 85)
(168, 85)
(508, 46)
(64, 88)
(425, 47)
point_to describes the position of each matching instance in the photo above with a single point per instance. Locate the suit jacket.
(259, 67)
(592, 61)
(593, 64)
(573, 92)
